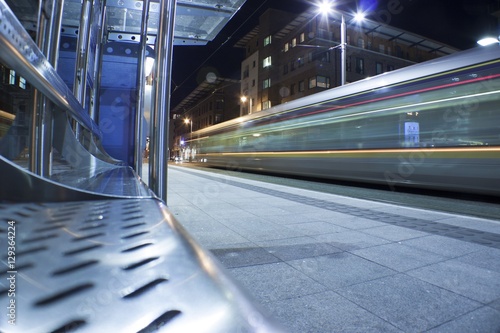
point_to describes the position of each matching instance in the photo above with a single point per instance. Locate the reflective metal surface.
(196, 23)
(159, 136)
(115, 266)
(94, 249)
(199, 21)
(19, 185)
(72, 87)
(20, 52)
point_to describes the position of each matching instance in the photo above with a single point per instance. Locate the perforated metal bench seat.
(123, 265)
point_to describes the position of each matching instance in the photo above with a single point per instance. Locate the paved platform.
(325, 263)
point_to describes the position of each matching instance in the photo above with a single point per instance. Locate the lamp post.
(343, 37)
(244, 99)
(189, 121)
(188, 150)
(325, 8)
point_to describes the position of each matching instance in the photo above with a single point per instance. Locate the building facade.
(212, 102)
(302, 56)
(289, 56)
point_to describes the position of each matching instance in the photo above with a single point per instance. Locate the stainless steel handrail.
(21, 53)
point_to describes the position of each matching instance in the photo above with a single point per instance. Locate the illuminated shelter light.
(487, 41)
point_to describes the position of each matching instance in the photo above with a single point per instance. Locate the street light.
(244, 100)
(188, 150)
(325, 7)
(189, 121)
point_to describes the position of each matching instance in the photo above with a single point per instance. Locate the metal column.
(81, 52)
(141, 87)
(48, 37)
(94, 113)
(159, 152)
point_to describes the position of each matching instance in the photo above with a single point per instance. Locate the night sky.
(459, 23)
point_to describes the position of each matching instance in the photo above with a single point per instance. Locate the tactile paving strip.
(432, 227)
(112, 266)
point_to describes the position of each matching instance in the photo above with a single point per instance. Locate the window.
(302, 37)
(361, 42)
(22, 82)
(266, 105)
(378, 68)
(267, 40)
(266, 83)
(254, 64)
(323, 56)
(285, 69)
(266, 62)
(326, 57)
(381, 48)
(292, 89)
(360, 66)
(300, 61)
(319, 81)
(323, 81)
(294, 42)
(302, 85)
(312, 82)
(246, 72)
(12, 77)
(253, 83)
(286, 47)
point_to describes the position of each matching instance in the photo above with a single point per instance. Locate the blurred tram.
(431, 125)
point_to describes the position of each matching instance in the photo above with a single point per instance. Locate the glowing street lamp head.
(359, 16)
(187, 121)
(243, 99)
(324, 7)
